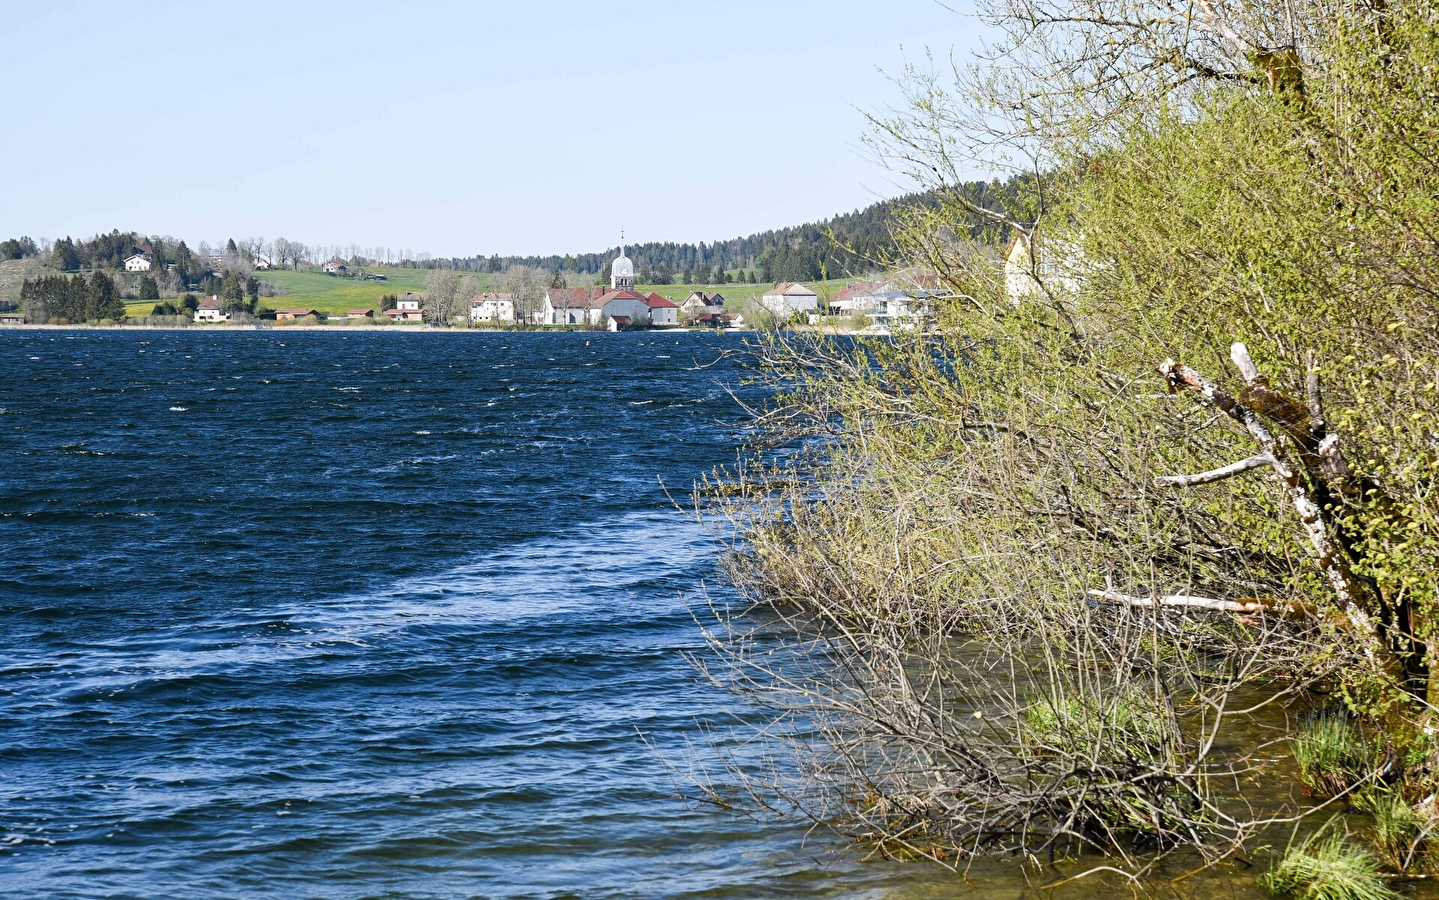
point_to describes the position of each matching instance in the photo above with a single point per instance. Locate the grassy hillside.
(311, 287)
(12, 273)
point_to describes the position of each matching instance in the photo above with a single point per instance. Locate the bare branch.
(1229, 471)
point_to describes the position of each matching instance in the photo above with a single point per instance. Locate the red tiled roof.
(296, 312)
(655, 301)
(572, 298)
(859, 289)
(210, 303)
(361, 312)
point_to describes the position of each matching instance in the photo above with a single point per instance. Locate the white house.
(701, 305)
(260, 262)
(632, 309)
(407, 308)
(567, 306)
(497, 308)
(788, 298)
(335, 267)
(663, 311)
(137, 263)
(209, 311)
(1032, 265)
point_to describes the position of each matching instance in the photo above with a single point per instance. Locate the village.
(879, 305)
(900, 302)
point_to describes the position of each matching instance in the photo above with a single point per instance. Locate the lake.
(369, 615)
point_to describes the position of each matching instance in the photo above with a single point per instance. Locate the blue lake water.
(368, 615)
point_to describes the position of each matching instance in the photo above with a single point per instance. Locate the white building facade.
(498, 309)
(788, 298)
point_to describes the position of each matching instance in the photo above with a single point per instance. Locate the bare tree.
(447, 295)
(527, 284)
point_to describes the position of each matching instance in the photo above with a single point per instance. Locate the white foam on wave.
(609, 565)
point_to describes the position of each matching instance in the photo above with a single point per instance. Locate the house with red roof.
(664, 313)
(210, 311)
(627, 304)
(495, 309)
(701, 305)
(568, 306)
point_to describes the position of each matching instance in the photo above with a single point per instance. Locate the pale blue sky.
(451, 128)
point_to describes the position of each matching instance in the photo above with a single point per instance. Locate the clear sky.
(526, 126)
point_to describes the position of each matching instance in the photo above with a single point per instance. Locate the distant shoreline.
(342, 329)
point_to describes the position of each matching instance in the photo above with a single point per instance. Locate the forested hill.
(849, 243)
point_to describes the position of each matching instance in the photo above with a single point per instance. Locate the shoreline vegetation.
(1130, 567)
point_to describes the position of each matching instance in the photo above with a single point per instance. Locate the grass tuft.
(1333, 754)
(1327, 868)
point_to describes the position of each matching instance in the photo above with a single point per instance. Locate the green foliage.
(59, 299)
(148, 288)
(17, 248)
(981, 480)
(1333, 754)
(1327, 867)
(1401, 832)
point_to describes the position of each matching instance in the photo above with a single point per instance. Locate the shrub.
(1327, 868)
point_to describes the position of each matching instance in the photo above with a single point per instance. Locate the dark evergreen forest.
(847, 244)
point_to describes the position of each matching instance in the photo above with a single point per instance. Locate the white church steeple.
(622, 272)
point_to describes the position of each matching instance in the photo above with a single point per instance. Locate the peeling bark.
(1355, 598)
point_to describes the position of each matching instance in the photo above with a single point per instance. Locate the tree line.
(850, 243)
(63, 299)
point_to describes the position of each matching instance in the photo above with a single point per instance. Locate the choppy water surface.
(360, 615)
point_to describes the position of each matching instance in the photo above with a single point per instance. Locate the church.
(621, 308)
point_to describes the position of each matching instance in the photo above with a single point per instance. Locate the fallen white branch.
(1229, 471)
(1179, 600)
(1247, 606)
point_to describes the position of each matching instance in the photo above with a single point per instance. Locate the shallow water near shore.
(341, 615)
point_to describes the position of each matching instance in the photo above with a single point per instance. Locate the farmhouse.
(663, 312)
(335, 267)
(290, 315)
(787, 298)
(209, 311)
(137, 263)
(567, 306)
(496, 308)
(700, 305)
(407, 309)
(623, 304)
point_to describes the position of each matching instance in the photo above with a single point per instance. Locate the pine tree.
(104, 300)
(149, 289)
